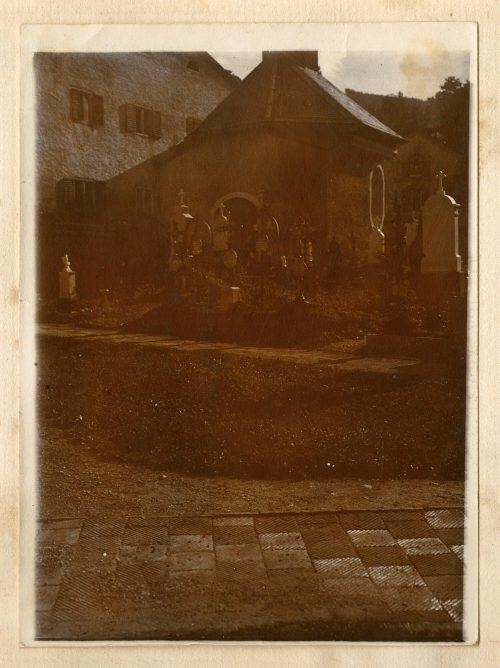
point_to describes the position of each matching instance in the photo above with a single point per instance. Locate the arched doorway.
(242, 209)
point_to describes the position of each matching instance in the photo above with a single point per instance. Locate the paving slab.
(343, 361)
(274, 586)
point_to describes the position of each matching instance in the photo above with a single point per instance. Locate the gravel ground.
(113, 420)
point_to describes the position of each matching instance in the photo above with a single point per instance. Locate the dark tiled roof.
(282, 92)
(349, 105)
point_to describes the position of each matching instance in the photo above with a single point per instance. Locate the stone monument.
(441, 268)
(375, 246)
(67, 281)
(440, 232)
(376, 243)
(220, 231)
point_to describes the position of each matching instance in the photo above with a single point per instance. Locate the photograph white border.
(12, 16)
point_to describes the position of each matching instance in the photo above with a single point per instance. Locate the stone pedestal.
(375, 247)
(228, 297)
(67, 285)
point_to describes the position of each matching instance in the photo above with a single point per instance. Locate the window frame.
(85, 195)
(139, 120)
(140, 201)
(94, 106)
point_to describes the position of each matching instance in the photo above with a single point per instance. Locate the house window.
(191, 123)
(86, 108)
(417, 166)
(413, 198)
(80, 194)
(144, 200)
(140, 120)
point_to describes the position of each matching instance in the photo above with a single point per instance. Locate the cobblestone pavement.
(343, 361)
(370, 575)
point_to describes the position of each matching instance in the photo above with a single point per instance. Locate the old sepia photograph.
(252, 358)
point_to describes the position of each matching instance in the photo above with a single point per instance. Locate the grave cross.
(181, 196)
(440, 176)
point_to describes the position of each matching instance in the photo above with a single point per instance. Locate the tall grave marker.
(441, 267)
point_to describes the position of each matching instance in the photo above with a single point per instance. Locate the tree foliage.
(452, 111)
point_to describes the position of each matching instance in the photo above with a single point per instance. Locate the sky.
(415, 73)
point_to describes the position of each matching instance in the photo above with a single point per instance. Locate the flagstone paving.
(343, 361)
(307, 576)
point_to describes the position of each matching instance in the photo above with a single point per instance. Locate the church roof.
(282, 91)
(349, 105)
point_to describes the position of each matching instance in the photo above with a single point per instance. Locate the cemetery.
(276, 298)
(289, 339)
(408, 297)
(296, 222)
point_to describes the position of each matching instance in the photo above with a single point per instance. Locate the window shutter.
(148, 122)
(148, 204)
(130, 118)
(65, 192)
(74, 105)
(69, 191)
(97, 113)
(156, 134)
(100, 194)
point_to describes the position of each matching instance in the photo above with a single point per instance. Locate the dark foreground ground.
(210, 414)
(174, 485)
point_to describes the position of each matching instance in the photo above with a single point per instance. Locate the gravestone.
(67, 281)
(440, 233)
(181, 218)
(375, 246)
(441, 267)
(227, 297)
(220, 231)
(439, 285)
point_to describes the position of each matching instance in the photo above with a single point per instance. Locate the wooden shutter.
(100, 187)
(148, 123)
(97, 110)
(156, 134)
(148, 201)
(130, 118)
(75, 112)
(65, 192)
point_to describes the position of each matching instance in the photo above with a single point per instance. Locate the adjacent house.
(99, 114)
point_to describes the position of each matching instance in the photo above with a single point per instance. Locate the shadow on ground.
(206, 413)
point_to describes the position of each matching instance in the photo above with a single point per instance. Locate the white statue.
(66, 264)
(67, 280)
(220, 231)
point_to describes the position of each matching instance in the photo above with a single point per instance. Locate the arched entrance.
(242, 209)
